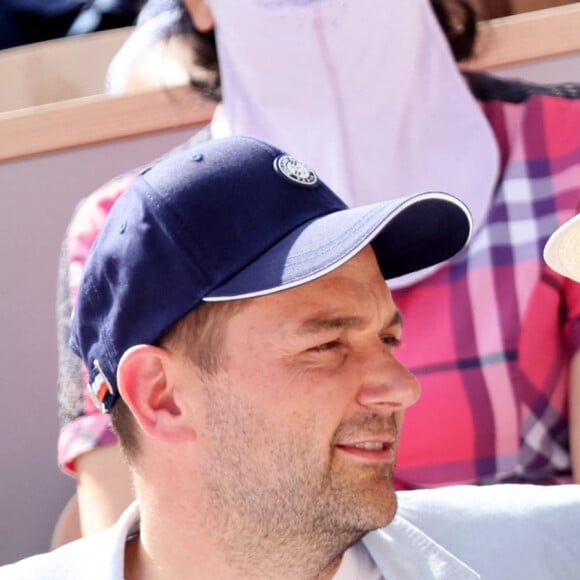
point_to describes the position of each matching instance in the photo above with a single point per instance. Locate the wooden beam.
(55, 70)
(95, 119)
(99, 118)
(528, 36)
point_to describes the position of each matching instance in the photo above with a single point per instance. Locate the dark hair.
(204, 54)
(457, 18)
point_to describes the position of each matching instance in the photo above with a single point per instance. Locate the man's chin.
(375, 506)
(384, 510)
(366, 496)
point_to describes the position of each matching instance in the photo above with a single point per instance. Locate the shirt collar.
(400, 551)
(404, 552)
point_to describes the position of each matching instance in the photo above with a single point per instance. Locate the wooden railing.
(528, 36)
(93, 119)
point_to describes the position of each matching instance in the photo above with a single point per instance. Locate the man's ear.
(200, 14)
(144, 377)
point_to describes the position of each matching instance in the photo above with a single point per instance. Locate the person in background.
(29, 21)
(375, 88)
(236, 323)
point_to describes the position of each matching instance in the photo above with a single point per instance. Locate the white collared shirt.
(499, 532)
(357, 564)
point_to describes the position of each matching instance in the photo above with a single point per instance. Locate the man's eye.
(392, 340)
(325, 346)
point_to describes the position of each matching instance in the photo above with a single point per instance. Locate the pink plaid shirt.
(489, 335)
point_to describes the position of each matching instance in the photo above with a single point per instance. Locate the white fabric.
(500, 532)
(366, 92)
(505, 531)
(357, 564)
(562, 252)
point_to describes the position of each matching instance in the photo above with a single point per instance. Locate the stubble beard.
(274, 504)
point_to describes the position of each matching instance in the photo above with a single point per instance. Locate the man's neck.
(139, 565)
(163, 552)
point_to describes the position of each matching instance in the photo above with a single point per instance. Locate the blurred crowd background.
(28, 21)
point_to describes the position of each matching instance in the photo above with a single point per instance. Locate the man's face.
(301, 427)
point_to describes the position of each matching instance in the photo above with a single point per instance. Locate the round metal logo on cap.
(295, 171)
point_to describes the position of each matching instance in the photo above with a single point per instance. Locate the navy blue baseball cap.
(231, 219)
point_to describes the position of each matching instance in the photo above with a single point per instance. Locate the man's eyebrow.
(397, 319)
(321, 323)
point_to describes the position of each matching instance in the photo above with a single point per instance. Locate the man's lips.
(372, 450)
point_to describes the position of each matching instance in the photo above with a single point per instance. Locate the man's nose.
(386, 384)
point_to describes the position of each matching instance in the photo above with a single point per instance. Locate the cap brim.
(407, 235)
(562, 251)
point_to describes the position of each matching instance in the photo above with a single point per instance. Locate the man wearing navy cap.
(236, 323)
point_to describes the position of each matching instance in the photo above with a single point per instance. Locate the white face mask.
(365, 91)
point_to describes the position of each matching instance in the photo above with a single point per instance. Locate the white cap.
(562, 252)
